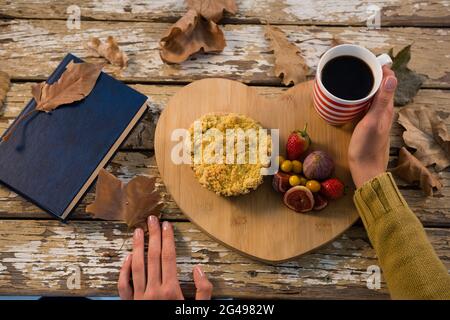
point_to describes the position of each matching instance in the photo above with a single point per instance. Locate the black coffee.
(347, 77)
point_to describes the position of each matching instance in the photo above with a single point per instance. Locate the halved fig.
(280, 182)
(320, 202)
(299, 198)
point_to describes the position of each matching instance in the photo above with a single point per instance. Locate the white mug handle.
(384, 60)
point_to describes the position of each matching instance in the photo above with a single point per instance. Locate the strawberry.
(332, 188)
(298, 142)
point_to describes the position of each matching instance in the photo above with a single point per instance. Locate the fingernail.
(390, 84)
(152, 219)
(128, 258)
(137, 233)
(199, 271)
(166, 225)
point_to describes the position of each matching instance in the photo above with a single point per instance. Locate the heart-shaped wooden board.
(257, 224)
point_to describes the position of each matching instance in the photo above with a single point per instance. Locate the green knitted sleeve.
(410, 266)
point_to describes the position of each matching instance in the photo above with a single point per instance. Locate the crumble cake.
(227, 179)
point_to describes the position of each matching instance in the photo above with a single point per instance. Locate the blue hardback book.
(52, 158)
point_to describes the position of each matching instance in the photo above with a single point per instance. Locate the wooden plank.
(31, 49)
(341, 12)
(142, 136)
(38, 257)
(125, 165)
(431, 211)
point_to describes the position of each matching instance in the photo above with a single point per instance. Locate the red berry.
(332, 188)
(298, 142)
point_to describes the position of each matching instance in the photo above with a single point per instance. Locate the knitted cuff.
(378, 197)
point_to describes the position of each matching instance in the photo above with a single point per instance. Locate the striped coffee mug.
(337, 111)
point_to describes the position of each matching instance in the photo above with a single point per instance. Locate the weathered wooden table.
(42, 256)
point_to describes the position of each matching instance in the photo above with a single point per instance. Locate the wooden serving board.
(257, 224)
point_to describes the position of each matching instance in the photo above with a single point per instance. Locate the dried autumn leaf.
(75, 83)
(288, 63)
(409, 82)
(427, 133)
(189, 35)
(131, 203)
(212, 9)
(4, 87)
(109, 50)
(411, 170)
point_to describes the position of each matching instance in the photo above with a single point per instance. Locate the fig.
(280, 182)
(320, 202)
(318, 165)
(299, 198)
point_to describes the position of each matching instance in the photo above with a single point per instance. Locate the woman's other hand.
(160, 281)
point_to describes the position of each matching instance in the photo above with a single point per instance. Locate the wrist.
(363, 174)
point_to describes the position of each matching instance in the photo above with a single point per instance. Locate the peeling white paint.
(23, 29)
(330, 11)
(336, 245)
(442, 32)
(118, 6)
(371, 39)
